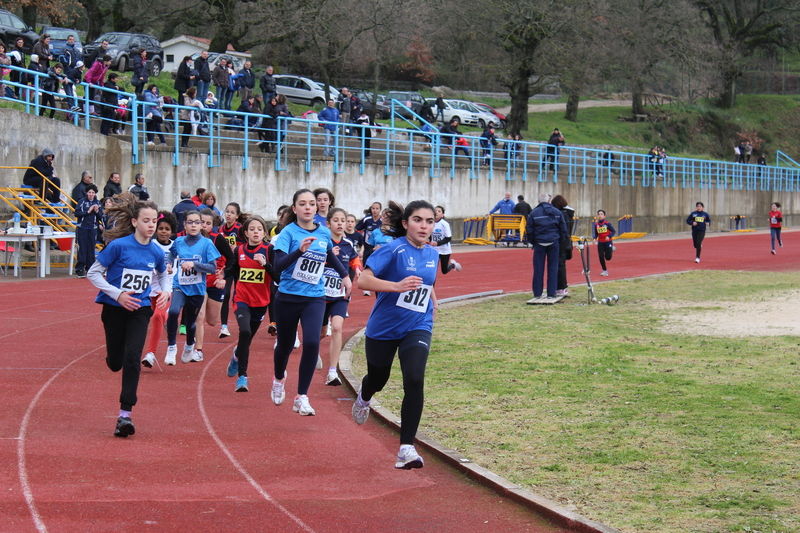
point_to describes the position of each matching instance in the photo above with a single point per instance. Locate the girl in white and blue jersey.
(402, 273)
(301, 251)
(197, 257)
(440, 238)
(124, 274)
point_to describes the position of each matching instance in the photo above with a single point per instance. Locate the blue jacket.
(85, 219)
(506, 207)
(545, 225)
(151, 104)
(330, 114)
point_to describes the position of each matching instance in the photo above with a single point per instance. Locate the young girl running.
(368, 224)
(378, 237)
(230, 230)
(335, 301)
(440, 238)
(775, 219)
(167, 226)
(402, 273)
(215, 283)
(123, 272)
(196, 256)
(301, 250)
(602, 233)
(251, 298)
(325, 201)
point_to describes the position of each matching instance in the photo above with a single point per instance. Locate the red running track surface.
(207, 459)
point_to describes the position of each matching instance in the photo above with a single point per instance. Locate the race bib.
(416, 300)
(309, 267)
(773, 220)
(334, 286)
(135, 280)
(602, 229)
(700, 219)
(190, 277)
(231, 240)
(251, 275)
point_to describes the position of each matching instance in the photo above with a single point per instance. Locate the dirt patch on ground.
(762, 317)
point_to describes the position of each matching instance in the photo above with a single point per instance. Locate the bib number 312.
(415, 300)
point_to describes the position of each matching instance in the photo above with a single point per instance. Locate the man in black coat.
(43, 166)
(247, 81)
(113, 186)
(545, 231)
(203, 74)
(181, 208)
(522, 208)
(79, 191)
(267, 84)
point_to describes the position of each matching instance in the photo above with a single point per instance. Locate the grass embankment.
(602, 410)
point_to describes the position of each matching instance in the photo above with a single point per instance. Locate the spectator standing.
(154, 115)
(188, 116)
(282, 110)
(699, 220)
(522, 208)
(50, 83)
(42, 50)
(365, 127)
(98, 53)
(184, 78)
(450, 131)
(440, 105)
(554, 145)
(112, 187)
(69, 56)
(565, 246)
(775, 220)
(488, 140)
(505, 206)
(96, 75)
(79, 191)
(17, 56)
(762, 162)
(232, 88)
(140, 75)
(748, 152)
(546, 229)
(184, 206)
(197, 199)
(203, 73)
(329, 116)
(345, 108)
(220, 79)
(110, 103)
(89, 214)
(210, 202)
(43, 166)
(247, 81)
(267, 84)
(138, 188)
(74, 77)
(269, 126)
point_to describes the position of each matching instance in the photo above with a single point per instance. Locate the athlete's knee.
(113, 364)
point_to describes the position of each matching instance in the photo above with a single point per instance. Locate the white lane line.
(22, 467)
(44, 325)
(230, 456)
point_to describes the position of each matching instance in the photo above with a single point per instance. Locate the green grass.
(601, 408)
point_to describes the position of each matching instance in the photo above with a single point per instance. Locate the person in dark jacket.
(203, 73)
(220, 78)
(699, 220)
(184, 206)
(79, 191)
(184, 78)
(113, 186)
(98, 53)
(267, 84)
(488, 140)
(440, 105)
(247, 81)
(140, 75)
(138, 189)
(449, 130)
(565, 248)
(89, 215)
(556, 140)
(110, 102)
(42, 50)
(545, 231)
(248, 112)
(50, 83)
(75, 77)
(522, 208)
(43, 166)
(269, 125)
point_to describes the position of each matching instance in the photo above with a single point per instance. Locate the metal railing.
(403, 148)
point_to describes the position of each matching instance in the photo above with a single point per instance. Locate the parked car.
(481, 116)
(214, 57)
(58, 39)
(11, 27)
(466, 114)
(122, 47)
(302, 90)
(486, 107)
(410, 99)
(381, 109)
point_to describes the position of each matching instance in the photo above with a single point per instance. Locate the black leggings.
(289, 311)
(605, 250)
(697, 241)
(444, 262)
(412, 350)
(126, 332)
(230, 285)
(48, 102)
(249, 320)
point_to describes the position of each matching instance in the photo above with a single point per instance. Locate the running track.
(207, 459)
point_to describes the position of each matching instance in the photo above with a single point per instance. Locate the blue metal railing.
(410, 147)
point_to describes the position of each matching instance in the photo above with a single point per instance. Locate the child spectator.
(89, 215)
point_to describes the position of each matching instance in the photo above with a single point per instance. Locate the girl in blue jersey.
(124, 273)
(325, 202)
(366, 225)
(402, 273)
(378, 237)
(196, 257)
(335, 301)
(301, 251)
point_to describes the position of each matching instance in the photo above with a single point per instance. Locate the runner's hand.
(127, 301)
(409, 284)
(306, 244)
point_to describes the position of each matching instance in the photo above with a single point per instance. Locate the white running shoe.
(275, 345)
(297, 340)
(278, 392)
(188, 353)
(148, 360)
(613, 248)
(330, 330)
(456, 264)
(360, 411)
(224, 332)
(319, 363)
(604, 273)
(408, 458)
(367, 293)
(697, 260)
(302, 406)
(172, 352)
(197, 356)
(333, 378)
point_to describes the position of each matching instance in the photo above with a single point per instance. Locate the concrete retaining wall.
(261, 189)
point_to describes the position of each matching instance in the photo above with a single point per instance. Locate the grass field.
(609, 412)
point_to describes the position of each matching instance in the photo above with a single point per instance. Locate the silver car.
(303, 90)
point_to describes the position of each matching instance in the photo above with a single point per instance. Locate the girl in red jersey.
(602, 232)
(215, 283)
(251, 297)
(230, 230)
(775, 220)
(335, 302)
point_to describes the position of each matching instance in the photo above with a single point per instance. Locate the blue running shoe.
(241, 384)
(233, 366)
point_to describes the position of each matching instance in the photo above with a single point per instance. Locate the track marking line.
(46, 325)
(22, 467)
(230, 456)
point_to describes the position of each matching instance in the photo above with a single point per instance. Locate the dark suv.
(11, 27)
(410, 99)
(123, 47)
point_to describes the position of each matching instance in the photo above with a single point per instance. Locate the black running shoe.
(124, 427)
